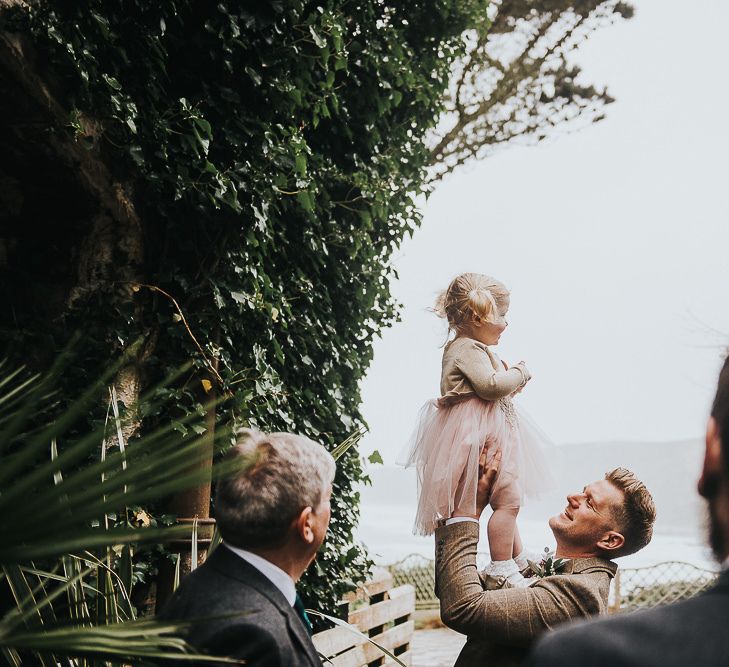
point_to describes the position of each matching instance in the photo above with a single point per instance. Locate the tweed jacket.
(238, 612)
(502, 624)
(693, 632)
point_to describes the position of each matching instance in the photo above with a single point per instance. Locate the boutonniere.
(548, 566)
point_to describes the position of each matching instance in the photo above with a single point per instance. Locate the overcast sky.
(614, 242)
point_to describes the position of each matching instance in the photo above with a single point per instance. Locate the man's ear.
(611, 541)
(303, 525)
(712, 470)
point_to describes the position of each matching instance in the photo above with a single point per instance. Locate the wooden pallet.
(382, 612)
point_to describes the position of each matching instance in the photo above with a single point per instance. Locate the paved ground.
(436, 648)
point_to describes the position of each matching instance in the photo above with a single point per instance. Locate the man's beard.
(717, 538)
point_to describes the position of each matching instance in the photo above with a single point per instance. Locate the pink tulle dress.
(475, 410)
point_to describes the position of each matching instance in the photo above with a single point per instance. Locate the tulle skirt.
(445, 448)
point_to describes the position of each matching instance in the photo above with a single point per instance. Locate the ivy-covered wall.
(272, 152)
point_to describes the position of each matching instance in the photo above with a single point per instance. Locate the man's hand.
(486, 476)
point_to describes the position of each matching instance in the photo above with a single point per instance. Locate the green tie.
(299, 607)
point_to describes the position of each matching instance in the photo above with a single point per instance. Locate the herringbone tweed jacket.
(502, 624)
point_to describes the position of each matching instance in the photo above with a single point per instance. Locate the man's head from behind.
(610, 518)
(279, 500)
(714, 481)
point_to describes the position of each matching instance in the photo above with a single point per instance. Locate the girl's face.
(489, 333)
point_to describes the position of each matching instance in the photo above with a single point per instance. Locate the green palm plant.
(68, 542)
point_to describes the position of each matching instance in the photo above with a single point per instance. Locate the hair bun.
(471, 297)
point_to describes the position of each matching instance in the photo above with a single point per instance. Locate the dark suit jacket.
(694, 633)
(268, 633)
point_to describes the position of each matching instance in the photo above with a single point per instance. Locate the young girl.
(475, 410)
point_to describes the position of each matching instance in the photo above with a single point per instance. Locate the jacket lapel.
(298, 630)
(228, 563)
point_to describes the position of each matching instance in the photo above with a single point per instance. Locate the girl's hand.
(525, 371)
(526, 374)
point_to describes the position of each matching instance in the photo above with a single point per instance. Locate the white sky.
(614, 242)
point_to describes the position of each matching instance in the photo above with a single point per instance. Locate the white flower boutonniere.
(548, 566)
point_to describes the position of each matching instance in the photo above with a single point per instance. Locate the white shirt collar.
(274, 574)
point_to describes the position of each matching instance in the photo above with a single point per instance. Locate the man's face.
(588, 516)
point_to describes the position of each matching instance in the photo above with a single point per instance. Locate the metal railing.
(663, 583)
(632, 588)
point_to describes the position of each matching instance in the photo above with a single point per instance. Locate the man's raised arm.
(509, 615)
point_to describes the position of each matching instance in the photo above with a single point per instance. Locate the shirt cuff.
(459, 519)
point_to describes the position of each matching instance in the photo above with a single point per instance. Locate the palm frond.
(355, 631)
(343, 447)
(81, 608)
(133, 641)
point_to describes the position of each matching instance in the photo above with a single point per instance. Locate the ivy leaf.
(301, 164)
(321, 43)
(375, 458)
(305, 200)
(111, 82)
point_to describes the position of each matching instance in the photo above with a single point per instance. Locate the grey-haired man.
(273, 517)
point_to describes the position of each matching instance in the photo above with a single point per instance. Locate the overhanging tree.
(515, 82)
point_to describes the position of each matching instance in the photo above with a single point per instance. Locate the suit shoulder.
(632, 638)
(206, 591)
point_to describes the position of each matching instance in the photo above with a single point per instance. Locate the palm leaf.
(134, 641)
(351, 628)
(342, 448)
(60, 496)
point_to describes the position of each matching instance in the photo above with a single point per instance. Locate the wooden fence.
(379, 610)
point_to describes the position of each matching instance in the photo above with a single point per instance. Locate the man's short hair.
(281, 474)
(636, 515)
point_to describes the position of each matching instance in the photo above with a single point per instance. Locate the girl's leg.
(519, 554)
(501, 532)
(518, 547)
(503, 540)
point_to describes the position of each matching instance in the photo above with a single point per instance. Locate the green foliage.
(70, 554)
(275, 151)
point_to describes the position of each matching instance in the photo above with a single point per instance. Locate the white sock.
(509, 570)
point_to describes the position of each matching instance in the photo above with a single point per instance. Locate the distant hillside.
(669, 469)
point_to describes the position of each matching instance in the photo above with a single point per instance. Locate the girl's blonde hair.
(471, 297)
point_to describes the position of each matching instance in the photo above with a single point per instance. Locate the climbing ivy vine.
(274, 152)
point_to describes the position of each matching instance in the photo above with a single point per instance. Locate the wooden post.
(189, 505)
(615, 607)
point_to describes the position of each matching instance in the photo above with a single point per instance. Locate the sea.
(670, 470)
